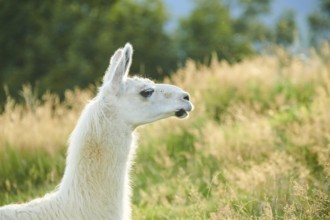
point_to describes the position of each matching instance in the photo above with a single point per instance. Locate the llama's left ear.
(124, 63)
(112, 66)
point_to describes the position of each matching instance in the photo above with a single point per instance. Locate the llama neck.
(98, 159)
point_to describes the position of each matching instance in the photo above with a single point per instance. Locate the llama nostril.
(186, 97)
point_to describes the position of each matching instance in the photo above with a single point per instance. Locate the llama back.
(46, 208)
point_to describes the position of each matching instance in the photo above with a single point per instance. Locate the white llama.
(95, 184)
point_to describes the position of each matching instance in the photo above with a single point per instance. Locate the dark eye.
(147, 92)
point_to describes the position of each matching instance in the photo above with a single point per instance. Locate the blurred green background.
(57, 45)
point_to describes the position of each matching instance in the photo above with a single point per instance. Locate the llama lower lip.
(181, 113)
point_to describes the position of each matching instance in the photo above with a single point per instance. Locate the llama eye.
(147, 93)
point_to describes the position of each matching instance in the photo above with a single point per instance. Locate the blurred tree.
(21, 22)
(285, 29)
(209, 29)
(142, 23)
(103, 31)
(248, 22)
(319, 23)
(62, 44)
(35, 37)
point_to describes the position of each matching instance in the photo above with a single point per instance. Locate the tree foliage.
(63, 44)
(209, 29)
(249, 23)
(319, 23)
(285, 29)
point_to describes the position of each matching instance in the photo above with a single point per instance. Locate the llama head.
(140, 101)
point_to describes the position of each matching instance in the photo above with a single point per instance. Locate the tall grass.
(257, 145)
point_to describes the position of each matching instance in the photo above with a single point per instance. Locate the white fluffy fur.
(95, 184)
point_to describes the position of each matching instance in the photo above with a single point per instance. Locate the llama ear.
(110, 72)
(124, 63)
(128, 50)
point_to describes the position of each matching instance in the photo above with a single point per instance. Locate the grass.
(257, 145)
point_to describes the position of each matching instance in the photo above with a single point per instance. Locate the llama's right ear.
(124, 65)
(114, 61)
(121, 69)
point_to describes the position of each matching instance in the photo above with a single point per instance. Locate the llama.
(95, 184)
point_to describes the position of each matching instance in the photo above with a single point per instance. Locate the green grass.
(26, 173)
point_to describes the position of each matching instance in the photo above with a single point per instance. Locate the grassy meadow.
(257, 145)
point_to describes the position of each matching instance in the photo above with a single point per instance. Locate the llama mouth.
(181, 113)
